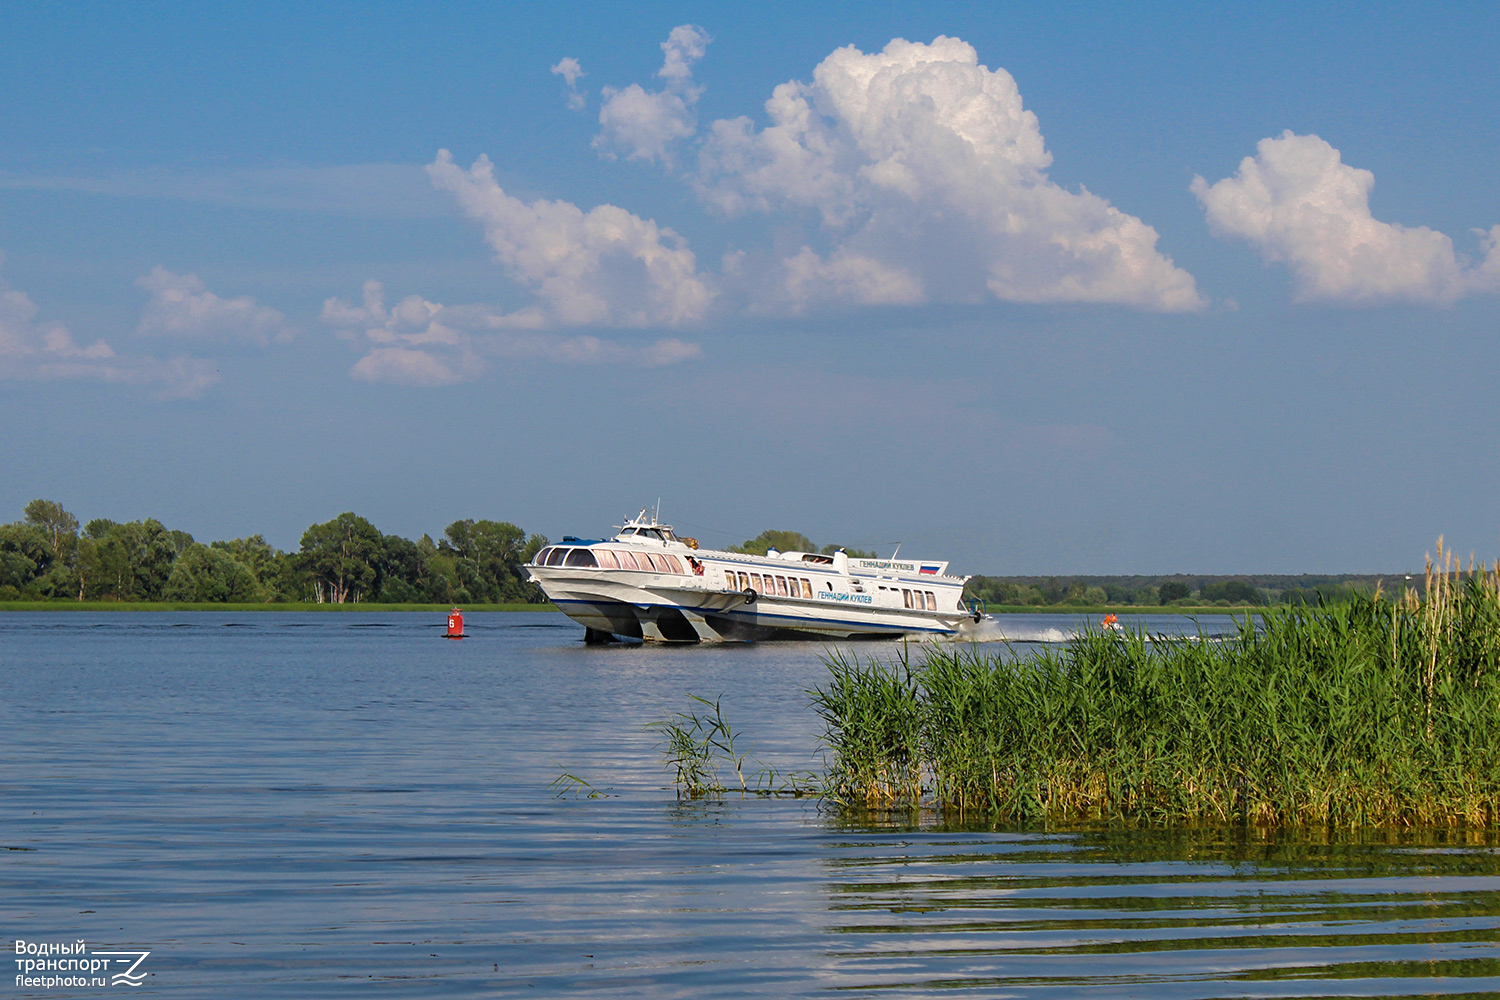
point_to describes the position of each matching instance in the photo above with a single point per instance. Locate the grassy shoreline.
(260, 606)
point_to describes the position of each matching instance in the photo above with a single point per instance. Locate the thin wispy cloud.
(1299, 204)
(418, 342)
(569, 69)
(182, 307)
(34, 348)
(368, 190)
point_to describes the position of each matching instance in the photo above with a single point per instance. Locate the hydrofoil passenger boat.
(648, 583)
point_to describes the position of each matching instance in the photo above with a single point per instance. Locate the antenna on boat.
(657, 516)
(897, 552)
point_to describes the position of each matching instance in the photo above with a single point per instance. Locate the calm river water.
(315, 805)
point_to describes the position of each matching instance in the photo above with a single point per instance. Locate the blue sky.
(1038, 289)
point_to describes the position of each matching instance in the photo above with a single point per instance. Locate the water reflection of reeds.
(1182, 914)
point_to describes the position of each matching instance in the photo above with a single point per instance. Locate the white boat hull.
(664, 610)
(647, 584)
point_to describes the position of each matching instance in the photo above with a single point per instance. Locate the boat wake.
(988, 629)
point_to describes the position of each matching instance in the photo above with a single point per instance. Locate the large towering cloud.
(603, 267)
(1298, 203)
(928, 181)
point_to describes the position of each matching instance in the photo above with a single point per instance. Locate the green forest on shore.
(1183, 590)
(48, 559)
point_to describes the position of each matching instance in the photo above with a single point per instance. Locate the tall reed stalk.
(1380, 712)
(699, 746)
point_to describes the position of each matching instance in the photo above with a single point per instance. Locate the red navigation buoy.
(455, 624)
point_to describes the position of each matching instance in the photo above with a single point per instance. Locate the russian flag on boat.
(929, 569)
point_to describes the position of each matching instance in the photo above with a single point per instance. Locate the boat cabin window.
(806, 587)
(781, 586)
(931, 601)
(627, 560)
(661, 563)
(607, 558)
(906, 596)
(581, 557)
(814, 558)
(744, 581)
(540, 559)
(627, 531)
(755, 582)
(556, 556)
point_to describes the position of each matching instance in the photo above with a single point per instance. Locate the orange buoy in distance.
(455, 624)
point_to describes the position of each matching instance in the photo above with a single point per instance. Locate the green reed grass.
(1376, 713)
(709, 758)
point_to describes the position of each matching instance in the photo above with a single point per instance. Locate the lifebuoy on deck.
(750, 595)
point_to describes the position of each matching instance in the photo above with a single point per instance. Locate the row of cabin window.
(913, 599)
(660, 562)
(781, 586)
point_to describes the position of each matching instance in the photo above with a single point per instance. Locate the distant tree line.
(1180, 591)
(45, 556)
(792, 541)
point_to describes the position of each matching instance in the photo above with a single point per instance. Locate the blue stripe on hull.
(756, 618)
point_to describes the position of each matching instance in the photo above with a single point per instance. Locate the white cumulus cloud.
(422, 343)
(848, 277)
(683, 47)
(603, 267)
(33, 349)
(404, 366)
(643, 124)
(181, 306)
(928, 180)
(571, 71)
(1299, 204)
